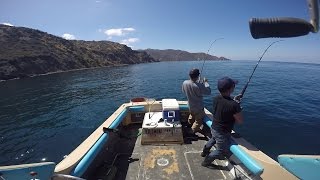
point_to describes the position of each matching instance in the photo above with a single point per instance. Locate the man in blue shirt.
(194, 90)
(226, 111)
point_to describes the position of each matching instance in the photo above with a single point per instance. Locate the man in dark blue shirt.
(226, 111)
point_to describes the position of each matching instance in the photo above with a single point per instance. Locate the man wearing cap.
(226, 111)
(194, 90)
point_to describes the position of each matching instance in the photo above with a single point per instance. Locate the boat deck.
(131, 160)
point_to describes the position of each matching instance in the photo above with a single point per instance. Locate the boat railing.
(43, 170)
(88, 158)
(252, 165)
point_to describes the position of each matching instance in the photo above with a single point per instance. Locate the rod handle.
(279, 27)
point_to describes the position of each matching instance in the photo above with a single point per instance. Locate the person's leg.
(227, 153)
(208, 146)
(191, 119)
(190, 123)
(221, 145)
(198, 121)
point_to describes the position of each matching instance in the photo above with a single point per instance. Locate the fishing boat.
(147, 139)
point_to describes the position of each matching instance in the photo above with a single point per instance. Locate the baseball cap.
(226, 83)
(194, 72)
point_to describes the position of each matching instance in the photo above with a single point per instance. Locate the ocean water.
(44, 118)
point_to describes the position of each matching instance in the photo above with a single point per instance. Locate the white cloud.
(129, 41)
(118, 32)
(68, 36)
(8, 24)
(128, 29)
(98, 1)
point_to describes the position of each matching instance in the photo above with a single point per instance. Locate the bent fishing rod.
(245, 87)
(204, 59)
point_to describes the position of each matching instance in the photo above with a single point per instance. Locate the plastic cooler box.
(170, 110)
(155, 131)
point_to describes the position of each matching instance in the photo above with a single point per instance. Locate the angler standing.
(226, 111)
(194, 90)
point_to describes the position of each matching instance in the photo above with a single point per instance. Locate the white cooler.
(155, 132)
(170, 110)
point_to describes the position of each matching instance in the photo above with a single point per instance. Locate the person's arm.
(207, 91)
(237, 113)
(205, 88)
(238, 117)
(182, 88)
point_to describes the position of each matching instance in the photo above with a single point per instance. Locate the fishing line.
(245, 87)
(204, 59)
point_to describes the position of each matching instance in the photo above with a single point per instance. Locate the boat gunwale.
(68, 164)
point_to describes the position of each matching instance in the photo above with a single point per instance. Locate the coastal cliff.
(26, 52)
(179, 55)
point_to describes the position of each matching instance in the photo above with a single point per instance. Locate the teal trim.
(244, 157)
(83, 165)
(43, 170)
(304, 167)
(136, 109)
(184, 107)
(118, 120)
(208, 121)
(88, 158)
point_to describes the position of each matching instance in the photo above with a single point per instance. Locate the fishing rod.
(245, 87)
(204, 60)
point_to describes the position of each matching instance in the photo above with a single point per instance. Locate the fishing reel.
(284, 27)
(202, 80)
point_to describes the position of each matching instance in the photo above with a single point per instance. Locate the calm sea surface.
(46, 117)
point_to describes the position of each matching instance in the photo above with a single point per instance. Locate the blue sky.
(168, 24)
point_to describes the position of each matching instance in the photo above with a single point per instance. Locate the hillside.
(178, 55)
(27, 52)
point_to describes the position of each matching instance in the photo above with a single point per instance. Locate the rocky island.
(179, 55)
(26, 52)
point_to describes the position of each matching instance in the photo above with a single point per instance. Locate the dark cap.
(194, 72)
(226, 83)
